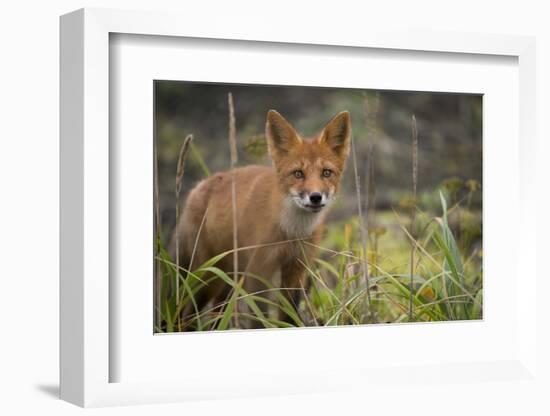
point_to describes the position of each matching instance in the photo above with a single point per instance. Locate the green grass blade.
(200, 160)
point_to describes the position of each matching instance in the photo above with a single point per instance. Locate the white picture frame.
(86, 356)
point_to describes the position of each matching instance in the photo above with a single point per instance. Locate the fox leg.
(293, 284)
(254, 269)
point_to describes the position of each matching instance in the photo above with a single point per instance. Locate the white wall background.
(29, 143)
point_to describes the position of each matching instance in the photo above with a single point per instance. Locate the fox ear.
(337, 134)
(281, 136)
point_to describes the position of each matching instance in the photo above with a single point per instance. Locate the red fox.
(278, 208)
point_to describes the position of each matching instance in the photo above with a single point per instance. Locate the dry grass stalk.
(370, 109)
(179, 180)
(233, 150)
(414, 131)
(363, 232)
(369, 185)
(370, 200)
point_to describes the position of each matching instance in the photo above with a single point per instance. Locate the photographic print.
(291, 206)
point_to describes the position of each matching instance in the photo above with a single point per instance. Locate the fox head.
(309, 171)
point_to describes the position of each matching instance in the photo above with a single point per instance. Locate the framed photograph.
(301, 215)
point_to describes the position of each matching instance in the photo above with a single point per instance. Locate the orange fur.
(270, 208)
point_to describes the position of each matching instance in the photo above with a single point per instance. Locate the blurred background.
(449, 141)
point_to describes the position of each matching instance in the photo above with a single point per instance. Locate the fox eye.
(298, 174)
(327, 173)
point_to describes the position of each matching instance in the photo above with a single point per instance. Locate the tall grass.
(232, 135)
(363, 230)
(445, 289)
(179, 182)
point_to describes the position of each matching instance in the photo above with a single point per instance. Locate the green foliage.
(447, 284)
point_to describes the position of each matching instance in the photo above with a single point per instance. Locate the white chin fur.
(299, 221)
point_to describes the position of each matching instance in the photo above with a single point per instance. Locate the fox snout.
(312, 201)
(315, 198)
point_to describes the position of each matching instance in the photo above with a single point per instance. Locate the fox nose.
(315, 198)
